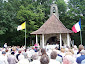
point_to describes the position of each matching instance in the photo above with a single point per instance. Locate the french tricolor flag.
(77, 27)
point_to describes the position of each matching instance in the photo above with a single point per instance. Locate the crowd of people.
(37, 55)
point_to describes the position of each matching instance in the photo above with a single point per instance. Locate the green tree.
(8, 21)
(34, 12)
(76, 11)
(33, 16)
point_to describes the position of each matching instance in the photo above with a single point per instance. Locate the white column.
(36, 39)
(60, 41)
(68, 40)
(42, 40)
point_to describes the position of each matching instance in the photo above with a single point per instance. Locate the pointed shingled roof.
(51, 26)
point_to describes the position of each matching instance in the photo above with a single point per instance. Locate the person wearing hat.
(3, 53)
(3, 58)
(80, 58)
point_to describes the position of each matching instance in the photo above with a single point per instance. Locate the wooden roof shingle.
(51, 26)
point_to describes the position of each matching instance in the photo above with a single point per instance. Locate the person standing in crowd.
(19, 52)
(81, 47)
(83, 61)
(25, 53)
(53, 58)
(35, 59)
(36, 49)
(43, 52)
(12, 59)
(62, 53)
(82, 57)
(44, 59)
(23, 60)
(5, 45)
(68, 58)
(59, 57)
(3, 58)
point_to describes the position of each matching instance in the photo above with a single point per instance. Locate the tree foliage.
(75, 12)
(35, 13)
(8, 21)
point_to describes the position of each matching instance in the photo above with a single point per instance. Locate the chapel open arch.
(54, 40)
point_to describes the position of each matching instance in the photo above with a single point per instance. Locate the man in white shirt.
(53, 58)
(35, 59)
(3, 58)
(5, 45)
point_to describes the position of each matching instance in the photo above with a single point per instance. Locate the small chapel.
(53, 31)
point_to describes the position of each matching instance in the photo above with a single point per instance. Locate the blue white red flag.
(77, 27)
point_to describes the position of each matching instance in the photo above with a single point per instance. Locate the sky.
(5, 0)
(66, 1)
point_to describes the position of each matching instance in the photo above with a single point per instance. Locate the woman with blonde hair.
(69, 59)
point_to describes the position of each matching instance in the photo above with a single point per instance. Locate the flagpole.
(81, 37)
(80, 32)
(25, 34)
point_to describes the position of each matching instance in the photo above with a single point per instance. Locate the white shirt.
(3, 59)
(5, 45)
(23, 61)
(35, 62)
(53, 61)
